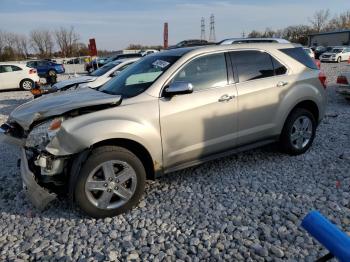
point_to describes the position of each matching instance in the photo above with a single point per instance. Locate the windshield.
(336, 50)
(138, 77)
(104, 69)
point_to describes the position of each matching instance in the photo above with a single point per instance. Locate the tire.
(294, 141)
(52, 73)
(339, 59)
(93, 188)
(26, 84)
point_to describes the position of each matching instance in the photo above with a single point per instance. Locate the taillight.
(32, 71)
(342, 80)
(322, 78)
(318, 63)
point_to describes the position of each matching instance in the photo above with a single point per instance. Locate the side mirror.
(179, 88)
(115, 73)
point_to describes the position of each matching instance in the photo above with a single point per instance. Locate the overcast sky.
(117, 23)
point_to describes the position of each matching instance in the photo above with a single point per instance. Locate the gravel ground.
(246, 207)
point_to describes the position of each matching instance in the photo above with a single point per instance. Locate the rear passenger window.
(252, 65)
(205, 72)
(16, 68)
(278, 67)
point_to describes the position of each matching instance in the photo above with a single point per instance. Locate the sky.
(117, 23)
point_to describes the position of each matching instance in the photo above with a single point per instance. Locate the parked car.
(169, 111)
(337, 54)
(309, 52)
(231, 41)
(189, 43)
(76, 60)
(148, 52)
(343, 81)
(95, 79)
(319, 50)
(17, 76)
(89, 67)
(46, 68)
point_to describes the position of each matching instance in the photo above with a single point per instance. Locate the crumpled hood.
(59, 103)
(74, 81)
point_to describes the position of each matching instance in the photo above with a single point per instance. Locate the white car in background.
(98, 77)
(337, 54)
(309, 52)
(14, 75)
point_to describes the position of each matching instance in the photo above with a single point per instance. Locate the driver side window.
(205, 72)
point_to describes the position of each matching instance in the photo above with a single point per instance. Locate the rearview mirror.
(179, 88)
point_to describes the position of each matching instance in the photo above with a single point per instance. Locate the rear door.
(8, 77)
(196, 125)
(261, 85)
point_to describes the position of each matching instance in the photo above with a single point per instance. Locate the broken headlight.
(42, 134)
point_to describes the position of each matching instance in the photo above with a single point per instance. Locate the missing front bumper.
(37, 195)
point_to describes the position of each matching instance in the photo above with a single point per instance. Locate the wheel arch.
(152, 168)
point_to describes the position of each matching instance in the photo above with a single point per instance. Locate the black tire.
(26, 84)
(286, 142)
(52, 73)
(96, 158)
(339, 59)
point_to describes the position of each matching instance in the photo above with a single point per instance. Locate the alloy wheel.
(111, 184)
(301, 132)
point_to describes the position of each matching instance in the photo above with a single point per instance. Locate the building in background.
(335, 38)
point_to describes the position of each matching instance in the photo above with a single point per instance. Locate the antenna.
(212, 37)
(203, 37)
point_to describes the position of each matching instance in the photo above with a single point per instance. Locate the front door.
(196, 125)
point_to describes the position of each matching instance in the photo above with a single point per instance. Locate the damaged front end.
(34, 127)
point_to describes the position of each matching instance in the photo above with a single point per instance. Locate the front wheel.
(339, 59)
(26, 84)
(111, 182)
(298, 132)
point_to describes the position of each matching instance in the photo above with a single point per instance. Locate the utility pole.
(212, 37)
(166, 36)
(203, 37)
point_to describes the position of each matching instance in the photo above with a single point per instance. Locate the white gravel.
(246, 207)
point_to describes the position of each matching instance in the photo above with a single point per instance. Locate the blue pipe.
(329, 235)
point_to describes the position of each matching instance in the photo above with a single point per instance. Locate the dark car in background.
(319, 50)
(189, 43)
(46, 68)
(91, 66)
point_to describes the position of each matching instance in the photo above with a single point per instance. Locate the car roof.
(230, 40)
(213, 48)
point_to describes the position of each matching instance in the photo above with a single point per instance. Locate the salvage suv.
(166, 112)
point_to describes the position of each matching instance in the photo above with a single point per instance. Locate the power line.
(203, 36)
(212, 36)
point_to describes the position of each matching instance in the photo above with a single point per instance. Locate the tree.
(255, 34)
(41, 41)
(319, 20)
(340, 22)
(66, 39)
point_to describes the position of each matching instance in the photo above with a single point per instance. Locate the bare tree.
(319, 20)
(340, 22)
(41, 41)
(66, 39)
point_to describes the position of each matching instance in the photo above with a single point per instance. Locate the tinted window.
(279, 69)
(32, 64)
(204, 72)
(139, 76)
(252, 65)
(299, 55)
(6, 69)
(16, 68)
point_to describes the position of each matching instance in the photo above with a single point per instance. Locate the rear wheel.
(298, 132)
(111, 181)
(26, 84)
(339, 59)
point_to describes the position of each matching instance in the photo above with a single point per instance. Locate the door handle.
(282, 83)
(225, 98)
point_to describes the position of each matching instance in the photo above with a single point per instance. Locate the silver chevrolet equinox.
(166, 112)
